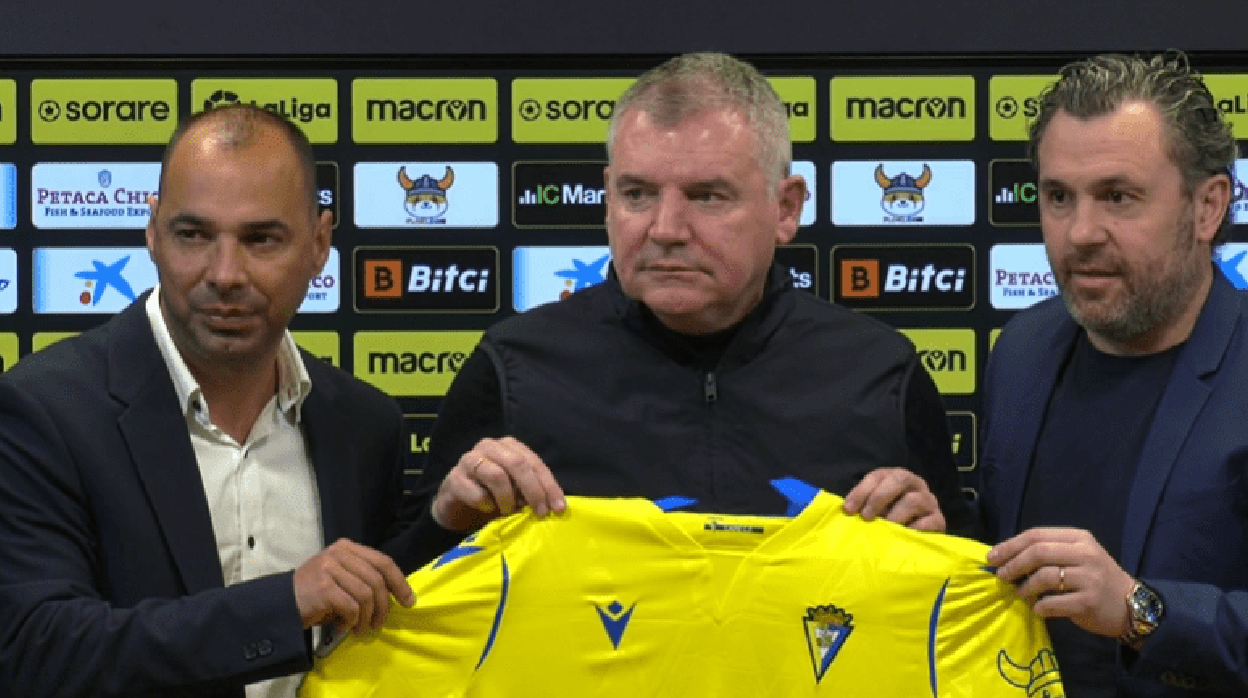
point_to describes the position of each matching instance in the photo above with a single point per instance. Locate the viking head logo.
(903, 194)
(1038, 678)
(426, 197)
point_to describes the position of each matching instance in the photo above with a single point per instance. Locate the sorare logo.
(903, 192)
(426, 194)
(1019, 276)
(90, 279)
(547, 274)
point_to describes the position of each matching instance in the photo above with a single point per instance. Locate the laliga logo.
(426, 198)
(903, 195)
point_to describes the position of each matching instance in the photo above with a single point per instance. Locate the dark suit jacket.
(1186, 529)
(110, 582)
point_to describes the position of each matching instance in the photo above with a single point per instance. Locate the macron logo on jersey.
(615, 620)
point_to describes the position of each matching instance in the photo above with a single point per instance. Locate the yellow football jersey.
(617, 597)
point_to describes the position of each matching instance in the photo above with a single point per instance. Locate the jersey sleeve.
(432, 648)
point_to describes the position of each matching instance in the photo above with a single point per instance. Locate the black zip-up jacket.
(617, 405)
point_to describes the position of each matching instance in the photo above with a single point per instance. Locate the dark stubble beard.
(1153, 296)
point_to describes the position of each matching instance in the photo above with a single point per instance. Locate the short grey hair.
(1200, 142)
(694, 83)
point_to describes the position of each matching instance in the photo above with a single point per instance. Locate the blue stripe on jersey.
(456, 553)
(498, 615)
(674, 502)
(931, 636)
(797, 492)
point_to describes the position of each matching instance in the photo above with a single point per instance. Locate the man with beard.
(1116, 417)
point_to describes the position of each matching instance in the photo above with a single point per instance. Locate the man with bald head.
(188, 502)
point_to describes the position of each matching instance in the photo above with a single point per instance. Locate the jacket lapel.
(331, 457)
(1182, 401)
(155, 431)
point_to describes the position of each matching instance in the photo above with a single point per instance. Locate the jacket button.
(265, 648)
(250, 652)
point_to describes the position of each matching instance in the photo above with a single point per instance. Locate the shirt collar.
(294, 383)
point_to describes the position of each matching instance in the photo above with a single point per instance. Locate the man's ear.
(323, 237)
(1211, 199)
(150, 233)
(791, 196)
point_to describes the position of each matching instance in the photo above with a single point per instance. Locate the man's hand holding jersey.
(1066, 573)
(499, 476)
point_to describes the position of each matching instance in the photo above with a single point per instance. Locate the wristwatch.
(1147, 610)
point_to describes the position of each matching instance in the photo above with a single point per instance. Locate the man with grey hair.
(1114, 416)
(696, 370)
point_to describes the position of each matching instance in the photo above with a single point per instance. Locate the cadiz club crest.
(827, 628)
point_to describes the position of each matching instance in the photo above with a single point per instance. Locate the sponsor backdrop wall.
(466, 192)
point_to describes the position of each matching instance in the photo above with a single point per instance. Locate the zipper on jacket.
(710, 391)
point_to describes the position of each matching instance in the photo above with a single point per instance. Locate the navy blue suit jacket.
(1186, 528)
(110, 581)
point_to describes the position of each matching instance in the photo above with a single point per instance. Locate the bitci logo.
(426, 279)
(905, 277)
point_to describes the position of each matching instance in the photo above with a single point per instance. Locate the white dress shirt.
(262, 496)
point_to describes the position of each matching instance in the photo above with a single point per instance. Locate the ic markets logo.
(903, 192)
(1014, 193)
(558, 195)
(548, 274)
(105, 111)
(90, 279)
(426, 194)
(903, 108)
(1019, 276)
(949, 356)
(94, 195)
(412, 364)
(904, 277)
(426, 279)
(424, 110)
(312, 103)
(802, 263)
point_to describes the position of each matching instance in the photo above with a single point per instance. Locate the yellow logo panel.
(421, 425)
(949, 356)
(8, 350)
(1015, 102)
(412, 364)
(798, 95)
(42, 340)
(424, 110)
(992, 337)
(8, 111)
(311, 103)
(903, 108)
(1231, 93)
(563, 110)
(323, 345)
(103, 111)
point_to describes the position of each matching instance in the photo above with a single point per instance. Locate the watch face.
(1147, 604)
